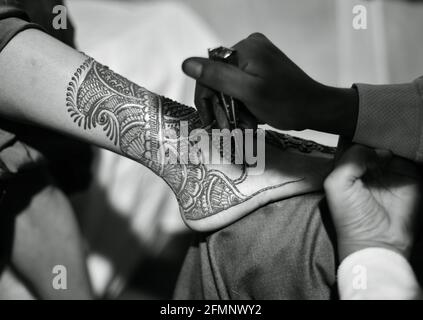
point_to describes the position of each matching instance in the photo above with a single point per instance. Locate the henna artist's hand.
(373, 198)
(274, 89)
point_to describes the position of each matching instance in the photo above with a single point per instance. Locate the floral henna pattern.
(136, 120)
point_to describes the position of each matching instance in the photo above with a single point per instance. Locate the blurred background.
(130, 218)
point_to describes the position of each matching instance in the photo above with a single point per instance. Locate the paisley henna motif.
(136, 121)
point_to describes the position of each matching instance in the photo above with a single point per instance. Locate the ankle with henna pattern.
(210, 195)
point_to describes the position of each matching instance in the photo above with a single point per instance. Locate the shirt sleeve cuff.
(376, 273)
(390, 118)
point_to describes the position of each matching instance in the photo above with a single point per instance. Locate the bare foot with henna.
(210, 195)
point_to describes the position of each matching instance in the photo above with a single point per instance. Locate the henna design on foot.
(136, 120)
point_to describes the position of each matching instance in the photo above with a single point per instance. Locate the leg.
(45, 234)
(13, 288)
(141, 125)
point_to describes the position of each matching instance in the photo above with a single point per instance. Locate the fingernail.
(192, 68)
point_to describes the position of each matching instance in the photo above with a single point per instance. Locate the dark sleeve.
(12, 21)
(391, 117)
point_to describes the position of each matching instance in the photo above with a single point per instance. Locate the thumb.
(351, 167)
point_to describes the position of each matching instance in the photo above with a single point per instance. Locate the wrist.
(336, 110)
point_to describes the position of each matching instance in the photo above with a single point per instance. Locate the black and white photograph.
(195, 152)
